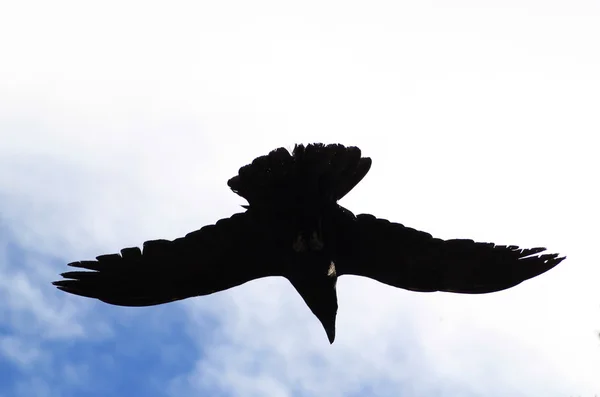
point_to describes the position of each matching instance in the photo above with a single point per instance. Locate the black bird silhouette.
(293, 227)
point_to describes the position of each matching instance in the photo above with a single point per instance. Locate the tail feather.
(315, 171)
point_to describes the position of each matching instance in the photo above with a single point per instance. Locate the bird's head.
(315, 278)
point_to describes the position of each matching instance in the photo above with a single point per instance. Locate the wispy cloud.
(17, 351)
(122, 122)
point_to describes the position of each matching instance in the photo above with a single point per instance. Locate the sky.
(121, 121)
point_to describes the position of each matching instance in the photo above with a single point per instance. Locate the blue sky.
(121, 122)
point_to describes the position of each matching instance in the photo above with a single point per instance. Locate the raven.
(294, 228)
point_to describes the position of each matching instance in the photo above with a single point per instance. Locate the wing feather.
(217, 257)
(407, 258)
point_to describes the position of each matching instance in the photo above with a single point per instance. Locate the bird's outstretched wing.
(217, 257)
(407, 258)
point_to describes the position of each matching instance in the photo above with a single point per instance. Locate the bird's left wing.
(217, 257)
(407, 258)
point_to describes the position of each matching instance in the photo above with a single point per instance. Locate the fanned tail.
(312, 172)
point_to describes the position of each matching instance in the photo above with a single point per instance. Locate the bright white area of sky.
(121, 121)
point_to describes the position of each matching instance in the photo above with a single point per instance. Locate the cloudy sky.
(121, 121)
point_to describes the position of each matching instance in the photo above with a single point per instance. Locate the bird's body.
(293, 227)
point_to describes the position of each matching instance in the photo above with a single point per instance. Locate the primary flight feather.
(294, 228)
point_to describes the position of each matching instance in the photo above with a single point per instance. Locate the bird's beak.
(329, 329)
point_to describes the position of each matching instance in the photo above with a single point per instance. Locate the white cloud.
(16, 350)
(30, 305)
(422, 343)
(123, 122)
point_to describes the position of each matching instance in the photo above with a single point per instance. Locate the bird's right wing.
(217, 257)
(407, 258)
